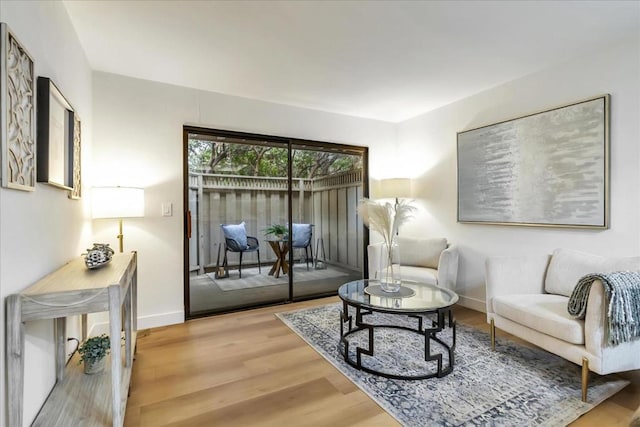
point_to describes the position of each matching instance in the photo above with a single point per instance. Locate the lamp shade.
(117, 202)
(393, 188)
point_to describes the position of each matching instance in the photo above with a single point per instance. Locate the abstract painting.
(545, 169)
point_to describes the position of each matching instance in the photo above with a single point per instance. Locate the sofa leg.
(585, 378)
(493, 334)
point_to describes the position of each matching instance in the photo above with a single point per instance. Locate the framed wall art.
(55, 136)
(549, 168)
(17, 113)
(76, 190)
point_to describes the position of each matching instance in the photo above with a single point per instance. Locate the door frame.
(285, 142)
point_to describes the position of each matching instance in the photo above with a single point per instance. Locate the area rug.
(513, 386)
(251, 278)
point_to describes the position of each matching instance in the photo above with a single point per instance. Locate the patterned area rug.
(513, 386)
(251, 278)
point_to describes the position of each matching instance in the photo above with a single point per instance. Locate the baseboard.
(163, 319)
(473, 303)
(144, 322)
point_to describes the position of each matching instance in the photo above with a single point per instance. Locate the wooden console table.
(77, 399)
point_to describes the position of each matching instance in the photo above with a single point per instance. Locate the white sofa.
(422, 260)
(528, 296)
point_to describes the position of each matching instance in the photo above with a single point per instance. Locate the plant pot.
(94, 367)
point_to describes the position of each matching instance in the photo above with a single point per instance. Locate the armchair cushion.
(237, 233)
(568, 266)
(419, 274)
(421, 252)
(543, 312)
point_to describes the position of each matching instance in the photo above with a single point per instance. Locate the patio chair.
(302, 234)
(236, 240)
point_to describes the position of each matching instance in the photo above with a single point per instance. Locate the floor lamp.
(393, 188)
(117, 202)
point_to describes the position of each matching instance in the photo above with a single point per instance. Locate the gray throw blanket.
(622, 291)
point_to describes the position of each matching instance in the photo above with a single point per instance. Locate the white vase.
(390, 280)
(94, 367)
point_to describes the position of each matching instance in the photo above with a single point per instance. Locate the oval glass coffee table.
(420, 308)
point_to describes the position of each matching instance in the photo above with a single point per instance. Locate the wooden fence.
(329, 203)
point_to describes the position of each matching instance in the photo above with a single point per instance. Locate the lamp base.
(121, 236)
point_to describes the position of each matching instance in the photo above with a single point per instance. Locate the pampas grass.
(386, 218)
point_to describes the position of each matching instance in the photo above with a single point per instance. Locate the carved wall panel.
(18, 133)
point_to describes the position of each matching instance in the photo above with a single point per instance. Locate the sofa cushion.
(568, 266)
(544, 313)
(421, 252)
(419, 274)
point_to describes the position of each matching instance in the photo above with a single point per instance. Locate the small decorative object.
(386, 219)
(98, 256)
(18, 121)
(277, 230)
(92, 353)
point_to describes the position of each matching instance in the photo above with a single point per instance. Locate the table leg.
(127, 327)
(61, 346)
(116, 358)
(275, 268)
(83, 318)
(15, 360)
(283, 258)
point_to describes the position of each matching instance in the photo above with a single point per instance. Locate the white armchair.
(423, 260)
(527, 297)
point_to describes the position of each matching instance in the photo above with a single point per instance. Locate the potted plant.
(92, 353)
(277, 230)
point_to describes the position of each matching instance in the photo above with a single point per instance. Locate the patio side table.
(281, 249)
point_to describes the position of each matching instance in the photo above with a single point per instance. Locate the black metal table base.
(442, 317)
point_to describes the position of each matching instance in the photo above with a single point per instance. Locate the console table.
(89, 400)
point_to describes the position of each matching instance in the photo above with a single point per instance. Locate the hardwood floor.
(249, 369)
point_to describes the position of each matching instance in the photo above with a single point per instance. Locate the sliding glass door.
(326, 187)
(269, 219)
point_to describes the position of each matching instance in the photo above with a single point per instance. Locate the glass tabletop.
(426, 297)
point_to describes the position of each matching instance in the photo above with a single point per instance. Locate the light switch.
(167, 209)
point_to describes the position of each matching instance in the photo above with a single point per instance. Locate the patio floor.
(208, 294)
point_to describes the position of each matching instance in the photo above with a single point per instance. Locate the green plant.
(94, 348)
(277, 229)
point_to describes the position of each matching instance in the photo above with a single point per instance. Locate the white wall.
(428, 146)
(42, 230)
(138, 142)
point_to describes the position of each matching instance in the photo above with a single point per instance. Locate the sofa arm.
(374, 252)
(448, 268)
(514, 275)
(594, 321)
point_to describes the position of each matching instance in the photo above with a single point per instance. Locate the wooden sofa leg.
(493, 334)
(585, 378)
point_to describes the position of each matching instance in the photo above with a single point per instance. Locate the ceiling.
(385, 60)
